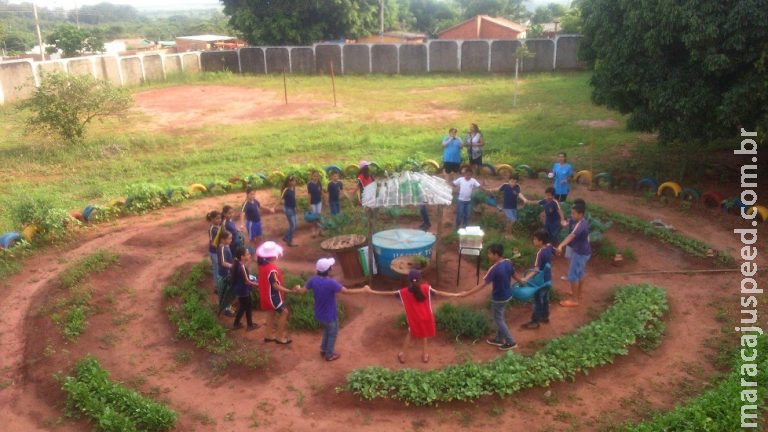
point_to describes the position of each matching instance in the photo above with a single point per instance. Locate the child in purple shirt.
(578, 240)
(324, 289)
(543, 264)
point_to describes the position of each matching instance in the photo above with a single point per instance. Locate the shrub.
(51, 221)
(143, 197)
(636, 309)
(462, 321)
(111, 406)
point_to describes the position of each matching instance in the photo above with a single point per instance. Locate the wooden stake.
(285, 87)
(370, 213)
(333, 83)
(439, 244)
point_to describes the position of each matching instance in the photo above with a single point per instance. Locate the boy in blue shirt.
(553, 215)
(335, 189)
(511, 192)
(543, 264)
(500, 275)
(578, 240)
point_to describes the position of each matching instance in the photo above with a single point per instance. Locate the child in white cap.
(324, 289)
(271, 291)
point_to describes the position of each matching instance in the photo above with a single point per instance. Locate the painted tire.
(116, 203)
(491, 201)
(690, 194)
(487, 169)
(712, 199)
(78, 215)
(647, 182)
(88, 212)
(430, 166)
(8, 239)
(731, 204)
(528, 170)
(762, 212)
(330, 169)
(197, 187)
(501, 168)
(28, 233)
(605, 177)
(310, 216)
(674, 186)
(275, 178)
(375, 169)
(586, 174)
(351, 170)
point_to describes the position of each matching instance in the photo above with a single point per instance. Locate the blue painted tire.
(88, 211)
(310, 216)
(690, 194)
(330, 169)
(8, 239)
(647, 182)
(491, 201)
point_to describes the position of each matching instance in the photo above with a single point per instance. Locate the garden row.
(636, 315)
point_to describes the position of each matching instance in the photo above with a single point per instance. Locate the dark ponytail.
(415, 289)
(212, 215)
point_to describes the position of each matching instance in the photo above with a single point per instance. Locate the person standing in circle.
(288, 195)
(451, 153)
(251, 216)
(315, 191)
(561, 175)
(271, 291)
(364, 178)
(474, 143)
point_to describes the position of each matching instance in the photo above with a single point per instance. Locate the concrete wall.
(438, 56)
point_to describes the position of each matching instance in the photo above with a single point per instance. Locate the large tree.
(305, 21)
(512, 9)
(432, 15)
(693, 71)
(73, 41)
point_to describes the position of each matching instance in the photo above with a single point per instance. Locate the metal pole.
(39, 35)
(285, 87)
(381, 17)
(333, 83)
(514, 98)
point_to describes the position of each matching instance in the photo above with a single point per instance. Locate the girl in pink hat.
(271, 291)
(364, 178)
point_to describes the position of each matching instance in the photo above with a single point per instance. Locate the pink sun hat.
(363, 164)
(269, 249)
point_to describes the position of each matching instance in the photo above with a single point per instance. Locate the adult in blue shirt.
(578, 240)
(561, 175)
(451, 152)
(500, 275)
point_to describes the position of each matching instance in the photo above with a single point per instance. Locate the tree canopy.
(693, 71)
(73, 41)
(512, 9)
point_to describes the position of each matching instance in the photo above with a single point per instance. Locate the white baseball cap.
(323, 264)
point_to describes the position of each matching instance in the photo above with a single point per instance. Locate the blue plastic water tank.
(390, 244)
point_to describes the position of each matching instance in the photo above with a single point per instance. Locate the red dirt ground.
(133, 338)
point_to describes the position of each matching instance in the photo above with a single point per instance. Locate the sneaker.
(334, 356)
(507, 347)
(494, 342)
(531, 325)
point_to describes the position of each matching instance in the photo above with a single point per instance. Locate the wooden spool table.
(345, 248)
(404, 264)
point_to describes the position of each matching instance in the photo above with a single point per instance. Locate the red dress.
(421, 320)
(270, 299)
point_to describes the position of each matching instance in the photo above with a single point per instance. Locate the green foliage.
(302, 306)
(513, 9)
(605, 248)
(86, 266)
(111, 406)
(431, 16)
(693, 71)
(75, 41)
(636, 309)
(51, 221)
(73, 322)
(462, 321)
(143, 197)
(718, 409)
(63, 105)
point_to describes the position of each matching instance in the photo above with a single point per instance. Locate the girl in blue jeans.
(288, 195)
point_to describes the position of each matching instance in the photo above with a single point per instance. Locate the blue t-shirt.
(289, 198)
(212, 231)
(452, 151)
(231, 227)
(315, 192)
(251, 210)
(551, 214)
(334, 191)
(561, 175)
(544, 257)
(239, 278)
(510, 195)
(500, 275)
(580, 243)
(324, 289)
(225, 256)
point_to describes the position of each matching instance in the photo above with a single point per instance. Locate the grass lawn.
(118, 153)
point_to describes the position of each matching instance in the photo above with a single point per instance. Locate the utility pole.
(381, 17)
(39, 35)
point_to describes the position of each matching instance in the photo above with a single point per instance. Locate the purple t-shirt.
(580, 243)
(324, 289)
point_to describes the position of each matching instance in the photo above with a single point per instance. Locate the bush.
(462, 321)
(51, 221)
(636, 309)
(110, 405)
(143, 197)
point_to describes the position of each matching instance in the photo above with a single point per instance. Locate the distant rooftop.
(206, 38)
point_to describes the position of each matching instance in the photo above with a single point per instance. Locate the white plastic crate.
(471, 237)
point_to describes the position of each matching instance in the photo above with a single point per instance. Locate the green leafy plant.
(51, 221)
(111, 406)
(462, 321)
(636, 310)
(143, 197)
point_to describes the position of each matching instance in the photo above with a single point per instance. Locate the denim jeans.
(335, 207)
(463, 208)
(330, 331)
(540, 305)
(502, 331)
(424, 216)
(290, 214)
(215, 264)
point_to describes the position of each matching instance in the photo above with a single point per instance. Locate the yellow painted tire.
(197, 187)
(116, 203)
(761, 211)
(351, 170)
(586, 174)
(275, 178)
(669, 185)
(28, 233)
(431, 166)
(500, 168)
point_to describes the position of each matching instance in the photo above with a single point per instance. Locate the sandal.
(401, 357)
(425, 358)
(283, 342)
(569, 303)
(333, 357)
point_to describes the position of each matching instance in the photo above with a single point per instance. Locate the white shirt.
(466, 187)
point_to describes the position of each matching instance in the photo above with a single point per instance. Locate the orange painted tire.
(28, 233)
(712, 199)
(77, 215)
